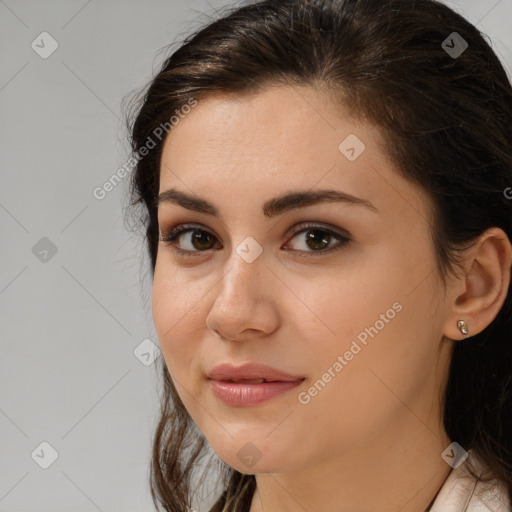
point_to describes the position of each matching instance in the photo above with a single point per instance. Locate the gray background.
(72, 323)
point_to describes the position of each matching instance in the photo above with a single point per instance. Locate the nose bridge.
(246, 268)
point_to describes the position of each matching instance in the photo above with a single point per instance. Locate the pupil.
(318, 239)
(198, 237)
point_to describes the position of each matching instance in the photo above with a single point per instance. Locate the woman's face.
(361, 322)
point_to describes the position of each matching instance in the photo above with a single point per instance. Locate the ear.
(480, 293)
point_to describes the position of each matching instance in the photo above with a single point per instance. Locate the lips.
(250, 373)
(245, 394)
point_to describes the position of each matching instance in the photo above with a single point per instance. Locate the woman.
(325, 193)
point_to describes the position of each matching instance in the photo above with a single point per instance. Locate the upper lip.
(248, 371)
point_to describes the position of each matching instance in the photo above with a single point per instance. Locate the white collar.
(463, 493)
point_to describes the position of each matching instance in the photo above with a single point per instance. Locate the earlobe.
(485, 285)
(463, 327)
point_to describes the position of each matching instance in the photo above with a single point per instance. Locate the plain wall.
(75, 295)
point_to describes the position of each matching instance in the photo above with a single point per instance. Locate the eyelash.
(171, 236)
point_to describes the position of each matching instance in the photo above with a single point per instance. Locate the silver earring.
(463, 328)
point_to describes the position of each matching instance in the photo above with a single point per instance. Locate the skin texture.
(372, 438)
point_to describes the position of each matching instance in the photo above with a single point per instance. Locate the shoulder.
(462, 492)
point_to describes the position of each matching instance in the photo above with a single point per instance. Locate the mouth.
(250, 384)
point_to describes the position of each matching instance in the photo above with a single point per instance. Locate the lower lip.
(243, 394)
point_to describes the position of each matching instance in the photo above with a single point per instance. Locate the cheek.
(174, 297)
(177, 318)
(383, 365)
(179, 323)
(346, 305)
(376, 321)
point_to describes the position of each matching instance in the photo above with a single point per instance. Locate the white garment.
(463, 493)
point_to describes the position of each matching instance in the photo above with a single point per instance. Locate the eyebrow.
(272, 207)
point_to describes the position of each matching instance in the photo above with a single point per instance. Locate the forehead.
(285, 138)
(281, 128)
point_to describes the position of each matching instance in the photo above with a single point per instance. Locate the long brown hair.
(444, 111)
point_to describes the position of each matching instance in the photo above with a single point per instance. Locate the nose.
(245, 303)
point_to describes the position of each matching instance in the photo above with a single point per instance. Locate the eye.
(318, 238)
(199, 237)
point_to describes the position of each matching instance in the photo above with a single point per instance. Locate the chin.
(250, 457)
